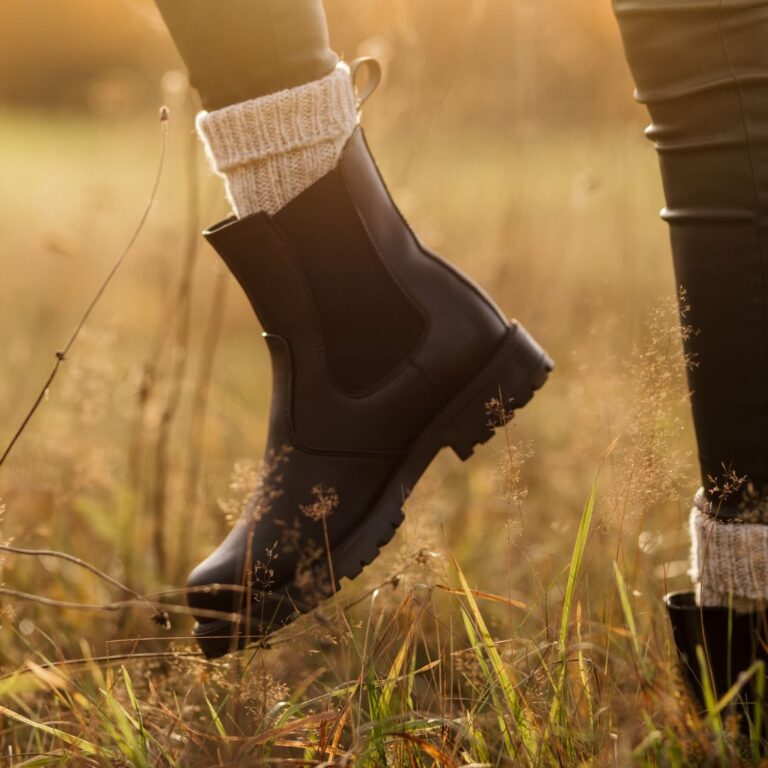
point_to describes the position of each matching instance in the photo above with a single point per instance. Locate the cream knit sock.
(270, 149)
(729, 562)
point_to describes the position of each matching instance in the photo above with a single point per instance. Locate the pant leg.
(237, 50)
(701, 67)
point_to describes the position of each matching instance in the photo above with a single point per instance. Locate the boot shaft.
(376, 329)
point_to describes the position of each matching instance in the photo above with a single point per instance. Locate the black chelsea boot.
(730, 643)
(382, 354)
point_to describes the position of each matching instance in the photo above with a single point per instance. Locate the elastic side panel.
(370, 326)
(271, 277)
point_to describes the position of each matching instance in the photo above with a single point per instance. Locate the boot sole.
(516, 371)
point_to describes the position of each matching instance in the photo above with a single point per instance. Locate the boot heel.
(507, 383)
(217, 639)
(220, 637)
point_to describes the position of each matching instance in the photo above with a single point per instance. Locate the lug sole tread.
(384, 521)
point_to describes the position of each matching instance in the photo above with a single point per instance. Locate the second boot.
(729, 642)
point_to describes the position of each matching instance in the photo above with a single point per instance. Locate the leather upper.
(370, 335)
(451, 327)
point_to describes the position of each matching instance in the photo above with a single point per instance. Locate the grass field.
(515, 620)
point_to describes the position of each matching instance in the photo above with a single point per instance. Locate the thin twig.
(76, 561)
(118, 606)
(180, 353)
(145, 601)
(117, 657)
(61, 355)
(199, 414)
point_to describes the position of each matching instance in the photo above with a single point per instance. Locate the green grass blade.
(85, 746)
(492, 685)
(394, 674)
(522, 718)
(710, 702)
(215, 717)
(137, 709)
(756, 726)
(580, 545)
(629, 618)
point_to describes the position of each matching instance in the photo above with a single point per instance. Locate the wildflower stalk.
(180, 350)
(62, 354)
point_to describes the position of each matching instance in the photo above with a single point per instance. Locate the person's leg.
(275, 44)
(702, 69)
(279, 109)
(382, 353)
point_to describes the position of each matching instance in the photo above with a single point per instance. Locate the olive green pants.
(236, 50)
(701, 68)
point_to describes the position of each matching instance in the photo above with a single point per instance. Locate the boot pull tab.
(374, 71)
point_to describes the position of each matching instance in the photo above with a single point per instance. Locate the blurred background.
(508, 134)
(523, 60)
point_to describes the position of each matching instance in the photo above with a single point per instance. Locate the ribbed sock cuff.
(729, 562)
(270, 149)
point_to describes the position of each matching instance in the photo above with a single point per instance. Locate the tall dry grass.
(517, 617)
